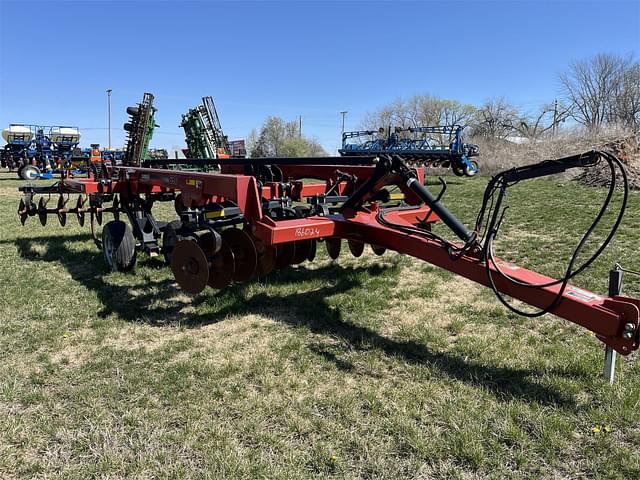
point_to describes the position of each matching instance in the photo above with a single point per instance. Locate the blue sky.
(288, 58)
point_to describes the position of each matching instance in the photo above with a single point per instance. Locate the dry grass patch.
(425, 299)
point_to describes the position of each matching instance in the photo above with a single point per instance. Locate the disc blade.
(378, 250)
(284, 254)
(116, 208)
(79, 214)
(222, 268)
(190, 267)
(97, 237)
(356, 247)
(42, 211)
(22, 211)
(266, 258)
(244, 253)
(312, 251)
(303, 247)
(334, 245)
(62, 216)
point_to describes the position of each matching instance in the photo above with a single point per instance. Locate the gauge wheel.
(118, 246)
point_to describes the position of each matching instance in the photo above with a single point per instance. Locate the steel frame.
(346, 206)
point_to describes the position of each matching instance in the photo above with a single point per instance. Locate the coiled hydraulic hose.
(501, 183)
(492, 211)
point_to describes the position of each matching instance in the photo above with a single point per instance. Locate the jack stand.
(610, 355)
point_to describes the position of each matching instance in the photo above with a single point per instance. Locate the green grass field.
(378, 367)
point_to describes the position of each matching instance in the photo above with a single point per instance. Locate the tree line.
(600, 91)
(597, 92)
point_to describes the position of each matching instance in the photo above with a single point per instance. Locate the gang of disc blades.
(169, 240)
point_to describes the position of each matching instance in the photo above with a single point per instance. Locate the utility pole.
(343, 115)
(300, 125)
(109, 102)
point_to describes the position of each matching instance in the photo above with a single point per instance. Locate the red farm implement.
(257, 215)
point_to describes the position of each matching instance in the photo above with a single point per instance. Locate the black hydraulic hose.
(447, 217)
(605, 206)
(491, 229)
(570, 273)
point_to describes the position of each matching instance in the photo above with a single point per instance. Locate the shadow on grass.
(311, 310)
(307, 309)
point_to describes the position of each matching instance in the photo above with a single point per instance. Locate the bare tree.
(547, 118)
(495, 119)
(420, 110)
(453, 112)
(594, 86)
(627, 100)
(393, 114)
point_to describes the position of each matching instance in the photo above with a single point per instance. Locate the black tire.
(458, 170)
(29, 172)
(118, 246)
(471, 172)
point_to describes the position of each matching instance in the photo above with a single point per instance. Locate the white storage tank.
(17, 134)
(64, 134)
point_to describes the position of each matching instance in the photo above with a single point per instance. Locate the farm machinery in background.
(203, 132)
(261, 214)
(140, 130)
(36, 151)
(440, 146)
(33, 150)
(139, 127)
